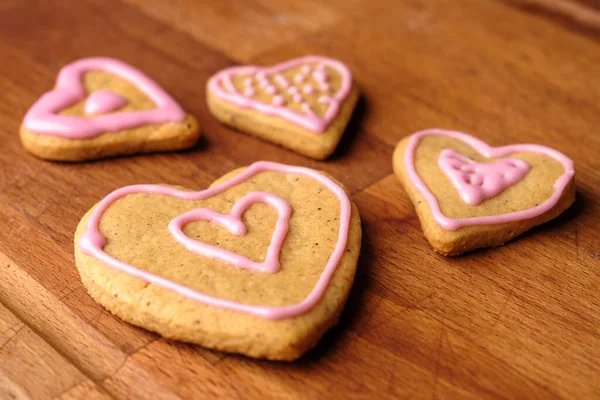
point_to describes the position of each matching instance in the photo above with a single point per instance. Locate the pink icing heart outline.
(103, 101)
(475, 181)
(92, 242)
(42, 117)
(234, 224)
(309, 120)
(487, 151)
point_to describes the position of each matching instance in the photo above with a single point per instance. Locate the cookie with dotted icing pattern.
(102, 107)
(303, 104)
(470, 195)
(260, 263)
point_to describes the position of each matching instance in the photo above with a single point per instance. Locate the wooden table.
(521, 321)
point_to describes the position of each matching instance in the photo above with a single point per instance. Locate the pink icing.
(221, 85)
(233, 223)
(306, 108)
(292, 90)
(305, 69)
(281, 81)
(278, 100)
(43, 117)
(249, 92)
(484, 149)
(320, 76)
(297, 98)
(299, 78)
(476, 181)
(92, 241)
(103, 101)
(308, 89)
(248, 82)
(271, 89)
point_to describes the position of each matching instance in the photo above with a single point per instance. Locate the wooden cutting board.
(521, 321)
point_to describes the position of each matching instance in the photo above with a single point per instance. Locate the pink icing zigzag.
(92, 241)
(484, 149)
(233, 223)
(221, 85)
(43, 117)
(476, 181)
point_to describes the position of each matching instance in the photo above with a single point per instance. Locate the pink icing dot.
(320, 76)
(299, 78)
(278, 101)
(249, 92)
(293, 90)
(281, 81)
(260, 75)
(264, 84)
(308, 89)
(271, 89)
(248, 82)
(306, 108)
(324, 99)
(305, 69)
(297, 97)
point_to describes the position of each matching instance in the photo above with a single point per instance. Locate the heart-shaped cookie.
(261, 263)
(470, 195)
(303, 104)
(103, 107)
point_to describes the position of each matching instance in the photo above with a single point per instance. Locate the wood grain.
(520, 321)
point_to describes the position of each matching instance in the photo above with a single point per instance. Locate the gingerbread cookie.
(469, 195)
(261, 263)
(102, 107)
(303, 104)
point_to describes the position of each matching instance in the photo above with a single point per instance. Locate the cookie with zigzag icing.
(303, 104)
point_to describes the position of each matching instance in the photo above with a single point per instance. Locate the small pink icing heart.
(233, 223)
(44, 118)
(476, 181)
(103, 101)
(283, 87)
(485, 150)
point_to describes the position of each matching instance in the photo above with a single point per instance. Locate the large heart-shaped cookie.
(470, 195)
(103, 107)
(303, 104)
(260, 263)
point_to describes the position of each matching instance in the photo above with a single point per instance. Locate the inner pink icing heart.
(484, 149)
(44, 118)
(103, 101)
(283, 87)
(233, 223)
(477, 181)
